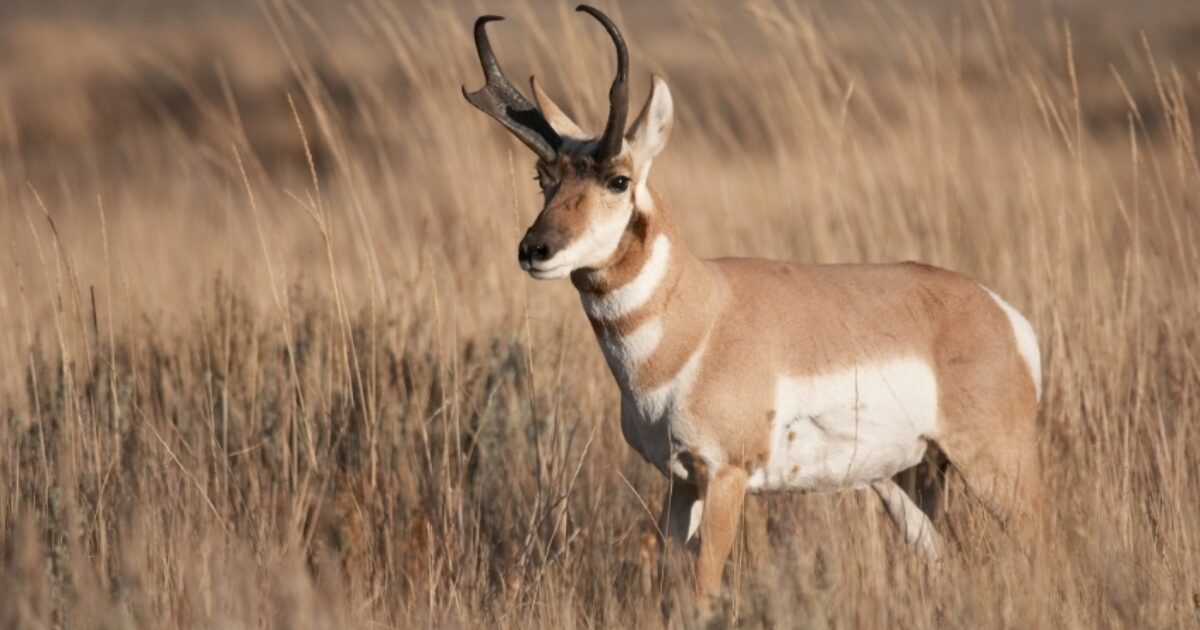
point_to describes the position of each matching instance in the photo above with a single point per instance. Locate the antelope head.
(592, 187)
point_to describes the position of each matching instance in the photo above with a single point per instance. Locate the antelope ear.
(650, 131)
(561, 122)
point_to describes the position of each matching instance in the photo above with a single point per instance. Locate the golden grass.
(267, 358)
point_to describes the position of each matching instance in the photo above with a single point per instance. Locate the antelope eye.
(618, 184)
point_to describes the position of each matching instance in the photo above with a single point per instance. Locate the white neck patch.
(626, 353)
(632, 296)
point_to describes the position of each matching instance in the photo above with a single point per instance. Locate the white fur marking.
(625, 353)
(637, 292)
(642, 343)
(654, 404)
(694, 518)
(1027, 344)
(850, 428)
(595, 246)
(643, 200)
(656, 422)
(909, 518)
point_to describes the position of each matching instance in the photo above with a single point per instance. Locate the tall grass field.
(267, 359)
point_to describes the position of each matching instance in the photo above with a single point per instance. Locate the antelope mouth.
(546, 267)
(546, 273)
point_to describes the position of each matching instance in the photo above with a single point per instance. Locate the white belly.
(849, 428)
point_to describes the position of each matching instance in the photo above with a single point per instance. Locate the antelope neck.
(651, 273)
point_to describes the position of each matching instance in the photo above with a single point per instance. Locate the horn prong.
(500, 100)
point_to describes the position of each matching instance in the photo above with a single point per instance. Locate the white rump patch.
(850, 428)
(630, 297)
(1027, 344)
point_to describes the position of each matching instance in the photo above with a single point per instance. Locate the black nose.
(532, 250)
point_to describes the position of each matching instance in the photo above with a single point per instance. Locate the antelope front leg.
(677, 524)
(680, 514)
(722, 496)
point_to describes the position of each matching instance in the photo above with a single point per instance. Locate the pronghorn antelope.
(742, 375)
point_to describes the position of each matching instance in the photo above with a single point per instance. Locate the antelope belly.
(848, 428)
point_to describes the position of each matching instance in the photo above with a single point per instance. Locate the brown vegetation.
(266, 357)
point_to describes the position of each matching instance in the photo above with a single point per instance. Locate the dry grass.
(244, 384)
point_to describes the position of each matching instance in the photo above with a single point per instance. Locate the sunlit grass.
(268, 359)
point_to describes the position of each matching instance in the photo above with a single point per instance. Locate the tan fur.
(723, 496)
(699, 357)
(762, 318)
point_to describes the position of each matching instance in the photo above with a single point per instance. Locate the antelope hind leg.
(908, 518)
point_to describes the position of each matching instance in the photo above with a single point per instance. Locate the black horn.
(500, 100)
(618, 94)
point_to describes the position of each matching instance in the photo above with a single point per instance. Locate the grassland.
(267, 360)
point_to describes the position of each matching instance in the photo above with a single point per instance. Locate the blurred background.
(267, 359)
(149, 104)
(82, 74)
